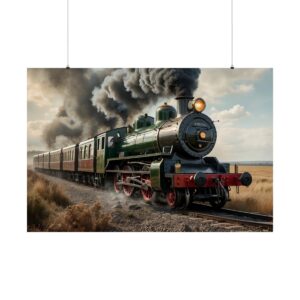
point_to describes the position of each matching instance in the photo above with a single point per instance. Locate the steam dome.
(165, 112)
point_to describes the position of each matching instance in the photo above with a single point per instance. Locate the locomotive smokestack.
(182, 104)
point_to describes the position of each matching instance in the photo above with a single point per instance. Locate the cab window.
(110, 141)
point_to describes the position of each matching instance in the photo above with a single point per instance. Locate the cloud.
(240, 144)
(243, 88)
(217, 83)
(244, 144)
(40, 91)
(35, 127)
(34, 134)
(229, 116)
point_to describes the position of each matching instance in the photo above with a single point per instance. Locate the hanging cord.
(68, 33)
(232, 67)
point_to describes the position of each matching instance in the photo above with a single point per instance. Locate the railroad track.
(230, 215)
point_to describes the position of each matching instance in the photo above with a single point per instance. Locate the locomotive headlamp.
(199, 105)
(202, 135)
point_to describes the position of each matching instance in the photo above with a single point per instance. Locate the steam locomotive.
(163, 158)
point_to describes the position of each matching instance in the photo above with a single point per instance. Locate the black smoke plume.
(99, 99)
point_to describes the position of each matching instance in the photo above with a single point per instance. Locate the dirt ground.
(132, 214)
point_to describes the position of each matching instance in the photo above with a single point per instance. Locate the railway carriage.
(86, 156)
(41, 161)
(86, 161)
(55, 160)
(70, 158)
(46, 160)
(35, 161)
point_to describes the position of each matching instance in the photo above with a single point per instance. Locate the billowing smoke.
(125, 92)
(99, 99)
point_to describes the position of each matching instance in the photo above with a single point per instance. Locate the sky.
(241, 100)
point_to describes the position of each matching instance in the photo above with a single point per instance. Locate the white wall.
(157, 33)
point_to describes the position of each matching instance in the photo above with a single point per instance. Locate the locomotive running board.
(139, 156)
(127, 172)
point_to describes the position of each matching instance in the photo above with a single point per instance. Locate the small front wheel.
(218, 202)
(221, 200)
(177, 199)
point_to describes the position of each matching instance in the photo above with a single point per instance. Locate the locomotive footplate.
(200, 180)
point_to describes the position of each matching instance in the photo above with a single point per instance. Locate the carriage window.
(102, 142)
(98, 144)
(89, 153)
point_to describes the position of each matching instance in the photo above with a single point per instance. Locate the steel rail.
(231, 215)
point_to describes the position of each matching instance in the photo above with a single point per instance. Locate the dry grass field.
(258, 197)
(50, 209)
